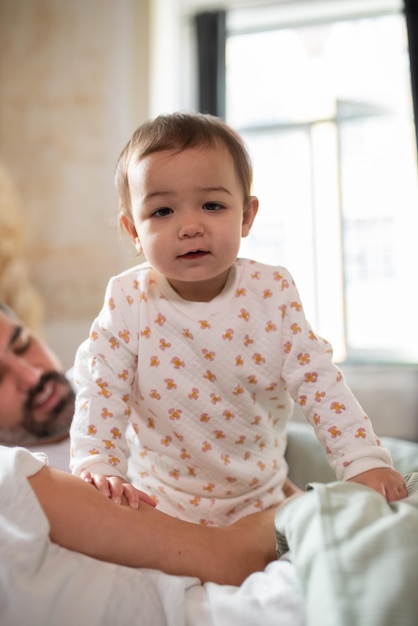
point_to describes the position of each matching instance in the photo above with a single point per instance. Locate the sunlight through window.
(325, 108)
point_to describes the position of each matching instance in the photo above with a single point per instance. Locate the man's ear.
(129, 228)
(250, 211)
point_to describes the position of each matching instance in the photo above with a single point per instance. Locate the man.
(37, 400)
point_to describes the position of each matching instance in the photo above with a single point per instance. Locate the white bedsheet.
(269, 598)
(43, 584)
(58, 453)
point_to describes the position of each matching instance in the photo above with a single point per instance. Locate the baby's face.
(189, 216)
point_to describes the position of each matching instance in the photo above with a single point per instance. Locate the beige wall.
(74, 83)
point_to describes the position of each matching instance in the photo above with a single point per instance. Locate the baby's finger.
(144, 497)
(102, 484)
(135, 496)
(132, 495)
(116, 488)
(87, 477)
(396, 492)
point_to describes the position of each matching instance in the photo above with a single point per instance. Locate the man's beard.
(56, 424)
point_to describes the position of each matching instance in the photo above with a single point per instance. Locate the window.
(324, 104)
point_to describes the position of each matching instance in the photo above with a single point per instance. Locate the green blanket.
(356, 555)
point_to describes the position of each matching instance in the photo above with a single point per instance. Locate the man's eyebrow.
(17, 331)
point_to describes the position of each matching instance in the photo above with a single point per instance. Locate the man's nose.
(26, 374)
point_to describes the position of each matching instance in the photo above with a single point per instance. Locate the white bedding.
(58, 454)
(270, 598)
(273, 597)
(355, 553)
(43, 584)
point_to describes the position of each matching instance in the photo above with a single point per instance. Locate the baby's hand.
(116, 489)
(384, 480)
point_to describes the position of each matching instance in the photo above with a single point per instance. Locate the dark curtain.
(411, 15)
(211, 39)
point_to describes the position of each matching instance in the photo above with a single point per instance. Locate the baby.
(189, 376)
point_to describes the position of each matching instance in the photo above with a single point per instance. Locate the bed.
(352, 559)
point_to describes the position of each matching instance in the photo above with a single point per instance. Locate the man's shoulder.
(16, 460)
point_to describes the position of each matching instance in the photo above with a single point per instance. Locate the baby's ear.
(138, 246)
(250, 211)
(130, 229)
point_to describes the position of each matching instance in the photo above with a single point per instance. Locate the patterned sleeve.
(318, 387)
(104, 374)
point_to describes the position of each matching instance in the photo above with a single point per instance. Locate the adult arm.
(81, 519)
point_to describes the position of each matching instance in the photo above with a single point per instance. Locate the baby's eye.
(213, 206)
(162, 212)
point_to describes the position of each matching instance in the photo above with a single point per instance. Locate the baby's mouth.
(194, 254)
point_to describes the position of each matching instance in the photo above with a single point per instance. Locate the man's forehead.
(8, 329)
(7, 322)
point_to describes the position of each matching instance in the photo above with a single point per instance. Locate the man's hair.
(177, 132)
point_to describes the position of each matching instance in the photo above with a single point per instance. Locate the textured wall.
(73, 86)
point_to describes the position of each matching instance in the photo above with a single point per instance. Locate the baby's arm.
(384, 480)
(115, 488)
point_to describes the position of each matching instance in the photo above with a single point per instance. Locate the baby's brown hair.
(177, 132)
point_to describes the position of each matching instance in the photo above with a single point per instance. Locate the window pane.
(380, 229)
(326, 112)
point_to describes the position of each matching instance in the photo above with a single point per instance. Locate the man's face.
(36, 400)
